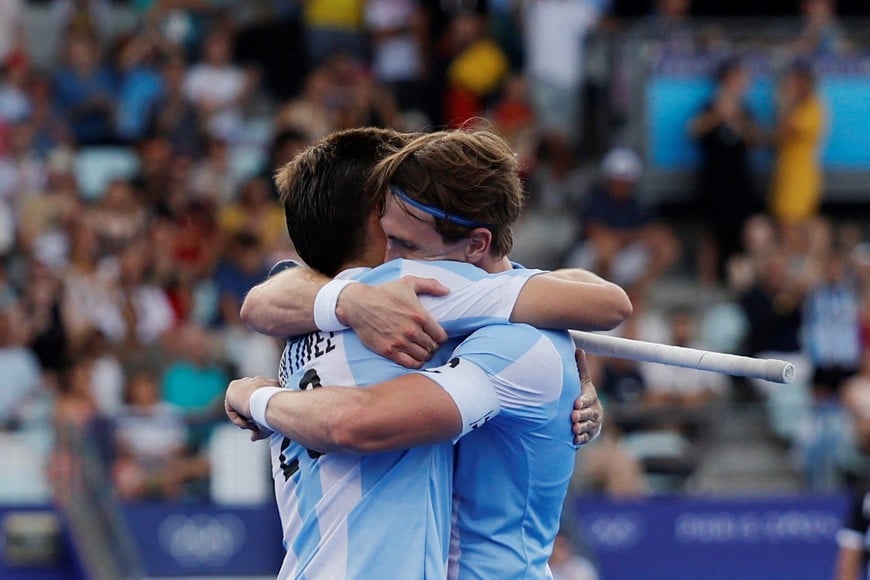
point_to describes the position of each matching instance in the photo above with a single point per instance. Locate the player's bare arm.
(391, 322)
(388, 319)
(283, 305)
(405, 412)
(583, 301)
(398, 414)
(237, 404)
(848, 564)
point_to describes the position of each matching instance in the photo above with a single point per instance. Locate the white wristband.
(325, 318)
(259, 401)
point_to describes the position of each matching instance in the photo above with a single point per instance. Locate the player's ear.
(479, 241)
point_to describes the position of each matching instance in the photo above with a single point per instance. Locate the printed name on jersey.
(307, 348)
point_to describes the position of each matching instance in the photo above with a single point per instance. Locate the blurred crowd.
(137, 209)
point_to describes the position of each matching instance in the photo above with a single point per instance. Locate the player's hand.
(588, 414)
(390, 320)
(237, 404)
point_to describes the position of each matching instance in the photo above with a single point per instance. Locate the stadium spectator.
(85, 92)
(312, 113)
(831, 325)
(59, 202)
(513, 117)
(548, 226)
(241, 267)
(283, 148)
(151, 446)
(219, 88)
(476, 68)
(621, 239)
(687, 391)
(773, 307)
(173, 116)
(89, 291)
(797, 175)
(213, 180)
(15, 102)
(399, 39)
(146, 307)
(332, 27)
(607, 467)
(255, 212)
(117, 218)
(554, 34)
(22, 376)
(22, 170)
(822, 35)
(12, 40)
(139, 83)
(75, 407)
(669, 25)
(50, 127)
(90, 18)
(726, 132)
(106, 374)
(195, 381)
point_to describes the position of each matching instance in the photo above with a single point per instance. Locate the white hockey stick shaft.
(778, 371)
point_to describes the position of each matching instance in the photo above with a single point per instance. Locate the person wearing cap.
(621, 239)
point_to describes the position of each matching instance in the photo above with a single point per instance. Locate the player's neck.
(370, 257)
(495, 265)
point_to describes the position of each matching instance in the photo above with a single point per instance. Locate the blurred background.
(713, 157)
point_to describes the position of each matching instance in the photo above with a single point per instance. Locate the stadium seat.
(95, 167)
(240, 473)
(23, 477)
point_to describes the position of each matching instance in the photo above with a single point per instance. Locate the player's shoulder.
(522, 334)
(514, 342)
(440, 269)
(447, 272)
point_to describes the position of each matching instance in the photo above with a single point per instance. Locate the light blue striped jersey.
(512, 474)
(384, 515)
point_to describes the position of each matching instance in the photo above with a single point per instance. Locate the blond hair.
(468, 173)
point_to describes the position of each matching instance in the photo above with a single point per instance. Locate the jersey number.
(310, 380)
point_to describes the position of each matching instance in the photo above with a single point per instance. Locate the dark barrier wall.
(659, 539)
(688, 539)
(192, 540)
(180, 541)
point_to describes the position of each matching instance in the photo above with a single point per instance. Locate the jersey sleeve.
(476, 298)
(471, 390)
(525, 367)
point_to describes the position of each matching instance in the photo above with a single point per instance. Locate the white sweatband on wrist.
(325, 302)
(259, 401)
(470, 388)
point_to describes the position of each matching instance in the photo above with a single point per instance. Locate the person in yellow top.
(256, 212)
(333, 26)
(797, 173)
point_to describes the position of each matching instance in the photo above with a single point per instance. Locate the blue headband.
(435, 212)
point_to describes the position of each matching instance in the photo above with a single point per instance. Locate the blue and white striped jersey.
(511, 475)
(342, 513)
